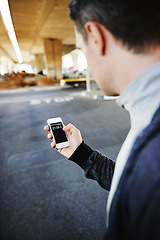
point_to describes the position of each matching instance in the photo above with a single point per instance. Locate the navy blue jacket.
(135, 209)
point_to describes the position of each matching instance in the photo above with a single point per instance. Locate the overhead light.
(13, 39)
(7, 20)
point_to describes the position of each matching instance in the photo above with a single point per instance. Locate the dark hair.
(136, 23)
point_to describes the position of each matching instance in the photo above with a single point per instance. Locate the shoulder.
(146, 148)
(141, 176)
(144, 161)
(145, 151)
(140, 194)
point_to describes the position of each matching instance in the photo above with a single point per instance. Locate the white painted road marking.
(35, 102)
(49, 100)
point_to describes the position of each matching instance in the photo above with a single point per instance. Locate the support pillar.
(53, 52)
(39, 61)
(88, 82)
(75, 61)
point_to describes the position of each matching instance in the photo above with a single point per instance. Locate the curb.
(98, 95)
(33, 89)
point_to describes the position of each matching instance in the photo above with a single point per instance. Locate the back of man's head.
(136, 23)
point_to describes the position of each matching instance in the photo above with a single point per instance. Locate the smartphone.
(59, 136)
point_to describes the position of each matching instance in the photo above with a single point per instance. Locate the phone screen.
(59, 134)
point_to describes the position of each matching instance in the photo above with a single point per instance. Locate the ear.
(96, 36)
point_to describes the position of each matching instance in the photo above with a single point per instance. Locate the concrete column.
(75, 60)
(88, 82)
(39, 60)
(58, 58)
(53, 52)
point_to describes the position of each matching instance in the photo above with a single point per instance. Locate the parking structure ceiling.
(33, 21)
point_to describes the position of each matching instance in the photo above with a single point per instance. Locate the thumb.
(68, 127)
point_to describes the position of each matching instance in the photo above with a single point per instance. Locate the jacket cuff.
(81, 154)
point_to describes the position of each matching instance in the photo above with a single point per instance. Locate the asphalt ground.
(43, 195)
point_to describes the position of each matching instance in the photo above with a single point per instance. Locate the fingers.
(50, 136)
(53, 145)
(46, 128)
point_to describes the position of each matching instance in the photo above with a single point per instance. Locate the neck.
(130, 65)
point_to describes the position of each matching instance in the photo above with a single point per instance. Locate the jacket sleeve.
(95, 165)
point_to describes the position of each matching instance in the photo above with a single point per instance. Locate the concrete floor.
(43, 195)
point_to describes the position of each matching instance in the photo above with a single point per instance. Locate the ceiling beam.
(68, 48)
(7, 54)
(43, 16)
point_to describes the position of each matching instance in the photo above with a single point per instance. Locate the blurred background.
(37, 37)
(43, 196)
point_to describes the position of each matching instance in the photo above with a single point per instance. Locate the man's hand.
(74, 138)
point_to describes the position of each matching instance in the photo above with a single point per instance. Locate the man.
(121, 40)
